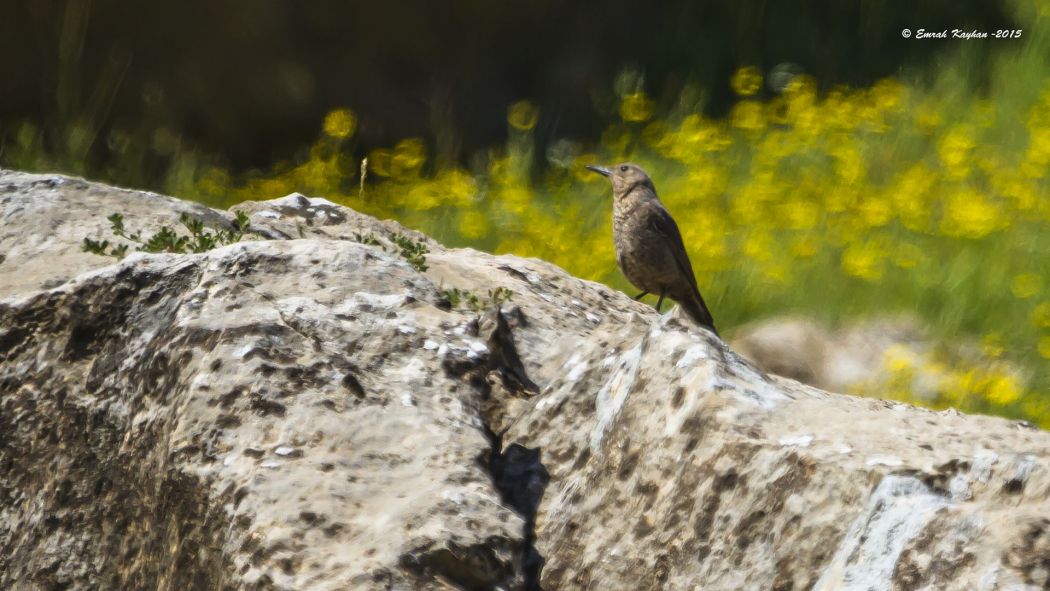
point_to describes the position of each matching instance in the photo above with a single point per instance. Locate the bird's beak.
(598, 169)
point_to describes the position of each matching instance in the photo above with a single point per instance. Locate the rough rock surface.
(313, 413)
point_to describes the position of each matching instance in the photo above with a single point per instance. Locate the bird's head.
(624, 177)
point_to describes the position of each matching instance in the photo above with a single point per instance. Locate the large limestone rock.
(309, 411)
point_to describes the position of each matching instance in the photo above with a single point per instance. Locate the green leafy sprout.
(470, 300)
(200, 238)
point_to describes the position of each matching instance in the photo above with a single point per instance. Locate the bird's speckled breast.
(641, 253)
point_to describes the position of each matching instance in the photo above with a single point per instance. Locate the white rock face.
(309, 412)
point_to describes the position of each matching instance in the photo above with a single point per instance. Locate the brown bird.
(649, 247)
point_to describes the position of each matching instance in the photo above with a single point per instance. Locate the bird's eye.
(623, 168)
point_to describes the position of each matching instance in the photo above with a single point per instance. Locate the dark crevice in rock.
(503, 354)
(499, 378)
(480, 567)
(497, 374)
(351, 383)
(521, 478)
(12, 338)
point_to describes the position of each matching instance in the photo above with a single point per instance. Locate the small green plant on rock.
(413, 251)
(103, 247)
(457, 296)
(499, 296)
(166, 239)
(471, 300)
(367, 239)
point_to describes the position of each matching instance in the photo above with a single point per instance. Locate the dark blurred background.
(251, 80)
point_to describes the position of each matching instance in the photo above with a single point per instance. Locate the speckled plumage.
(649, 247)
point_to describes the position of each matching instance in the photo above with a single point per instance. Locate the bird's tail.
(697, 310)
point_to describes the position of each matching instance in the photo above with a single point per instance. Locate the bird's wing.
(661, 221)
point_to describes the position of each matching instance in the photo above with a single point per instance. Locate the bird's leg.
(659, 302)
(641, 295)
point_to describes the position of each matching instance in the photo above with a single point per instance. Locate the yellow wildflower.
(898, 359)
(969, 214)
(888, 94)
(409, 155)
(863, 261)
(1002, 388)
(758, 246)
(802, 89)
(636, 107)
(1041, 315)
(954, 150)
(1025, 285)
(746, 81)
(340, 123)
(458, 186)
(876, 211)
(523, 115)
(748, 115)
